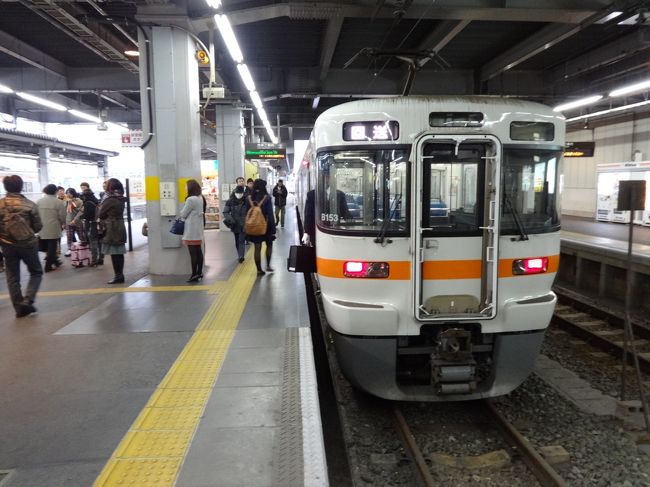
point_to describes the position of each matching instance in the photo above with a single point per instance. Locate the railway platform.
(157, 382)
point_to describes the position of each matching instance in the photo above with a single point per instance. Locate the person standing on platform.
(235, 217)
(111, 217)
(192, 213)
(100, 235)
(309, 219)
(249, 188)
(52, 212)
(280, 194)
(86, 219)
(260, 197)
(72, 207)
(60, 193)
(19, 223)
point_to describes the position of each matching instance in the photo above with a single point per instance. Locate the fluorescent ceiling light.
(41, 101)
(609, 17)
(604, 112)
(84, 116)
(213, 3)
(132, 53)
(578, 103)
(314, 104)
(246, 77)
(229, 38)
(257, 101)
(261, 113)
(631, 88)
(5, 89)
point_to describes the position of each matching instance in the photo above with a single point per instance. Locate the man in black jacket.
(280, 195)
(19, 223)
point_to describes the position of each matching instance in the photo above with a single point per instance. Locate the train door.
(456, 228)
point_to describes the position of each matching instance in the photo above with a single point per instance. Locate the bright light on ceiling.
(41, 101)
(626, 90)
(578, 103)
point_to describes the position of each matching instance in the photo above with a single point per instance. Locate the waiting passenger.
(72, 206)
(19, 223)
(260, 197)
(235, 217)
(192, 212)
(52, 212)
(111, 218)
(85, 221)
(249, 187)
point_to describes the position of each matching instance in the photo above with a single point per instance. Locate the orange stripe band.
(432, 270)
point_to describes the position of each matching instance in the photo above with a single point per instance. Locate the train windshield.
(363, 190)
(530, 191)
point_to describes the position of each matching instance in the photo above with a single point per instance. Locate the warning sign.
(132, 138)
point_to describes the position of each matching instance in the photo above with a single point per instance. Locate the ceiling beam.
(330, 39)
(445, 9)
(30, 55)
(612, 52)
(441, 36)
(547, 37)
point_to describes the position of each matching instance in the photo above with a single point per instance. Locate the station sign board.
(579, 149)
(132, 138)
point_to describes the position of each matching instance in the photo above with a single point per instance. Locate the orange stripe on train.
(432, 269)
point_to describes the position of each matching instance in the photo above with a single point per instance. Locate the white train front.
(436, 226)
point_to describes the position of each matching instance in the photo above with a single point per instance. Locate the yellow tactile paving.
(215, 288)
(171, 418)
(152, 451)
(141, 472)
(179, 398)
(154, 444)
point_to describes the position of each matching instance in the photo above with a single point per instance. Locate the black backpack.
(90, 207)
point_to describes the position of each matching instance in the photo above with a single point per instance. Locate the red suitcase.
(80, 254)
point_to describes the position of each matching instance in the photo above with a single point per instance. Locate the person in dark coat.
(86, 219)
(280, 194)
(111, 216)
(260, 197)
(234, 217)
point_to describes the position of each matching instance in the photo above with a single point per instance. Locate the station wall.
(614, 143)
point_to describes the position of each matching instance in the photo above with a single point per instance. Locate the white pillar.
(174, 152)
(230, 134)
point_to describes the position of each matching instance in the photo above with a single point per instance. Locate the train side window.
(361, 189)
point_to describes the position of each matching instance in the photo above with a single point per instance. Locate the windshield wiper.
(515, 216)
(381, 236)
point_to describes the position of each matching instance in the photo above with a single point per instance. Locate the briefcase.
(301, 259)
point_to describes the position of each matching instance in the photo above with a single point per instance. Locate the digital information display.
(373, 131)
(579, 149)
(254, 152)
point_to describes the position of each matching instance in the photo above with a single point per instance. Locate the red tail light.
(376, 270)
(534, 265)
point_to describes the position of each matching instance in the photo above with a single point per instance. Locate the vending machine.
(609, 176)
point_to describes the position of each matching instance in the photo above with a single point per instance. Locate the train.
(435, 222)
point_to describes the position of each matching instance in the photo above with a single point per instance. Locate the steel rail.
(408, 440)
(546, 475)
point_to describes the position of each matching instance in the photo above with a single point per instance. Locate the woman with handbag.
(259, 198)
(234, 217)
(111, 219)
(192, 213)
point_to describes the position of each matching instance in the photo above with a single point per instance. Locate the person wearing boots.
(234, 217)
(260, 197)
(111, 216)
(192, 213)
(280, 196)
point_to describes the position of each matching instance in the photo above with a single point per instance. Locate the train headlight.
(536, 265)
(373, 270)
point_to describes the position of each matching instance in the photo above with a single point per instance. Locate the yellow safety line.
(215, 288)
(152, 451)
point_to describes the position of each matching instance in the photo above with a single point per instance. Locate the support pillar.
(43, 167)
(230, 134)
(173, 154)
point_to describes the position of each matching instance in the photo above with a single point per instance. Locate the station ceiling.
(308, 56)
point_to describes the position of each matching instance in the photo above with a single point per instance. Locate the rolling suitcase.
(80, 254)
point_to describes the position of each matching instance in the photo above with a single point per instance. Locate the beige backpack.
(256, 224)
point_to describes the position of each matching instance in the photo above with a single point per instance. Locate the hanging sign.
(257, 151)
(579, 149)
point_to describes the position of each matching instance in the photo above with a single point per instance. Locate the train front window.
(530, 191)
(363, 190)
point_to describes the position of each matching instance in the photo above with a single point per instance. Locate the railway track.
(543, 472)
(587, 319)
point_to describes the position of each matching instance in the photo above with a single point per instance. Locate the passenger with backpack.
(86, 221)
(19, 223)
(260, 224)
